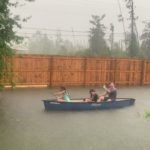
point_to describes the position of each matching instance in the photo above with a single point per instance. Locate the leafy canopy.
(8, 22)
(97, 33)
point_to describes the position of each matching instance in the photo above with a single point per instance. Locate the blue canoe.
(80, 105)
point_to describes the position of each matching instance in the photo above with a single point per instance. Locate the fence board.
(31, 70)
(78, 71)
(147, 73)
(68, 71)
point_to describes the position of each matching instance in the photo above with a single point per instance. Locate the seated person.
(93, 96)
(62, 95)
(110, 93)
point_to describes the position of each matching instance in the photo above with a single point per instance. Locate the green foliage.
(8, 22)
(147, 114)
(1, 87)
(118, 53)
(111, 37)
(40, 43)
(114, 53)
(133, 49)
(84, 52)
(97, 42)
(13, 84)
(133, 43)
(145, 37)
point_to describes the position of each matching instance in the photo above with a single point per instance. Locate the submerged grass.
(147, 114)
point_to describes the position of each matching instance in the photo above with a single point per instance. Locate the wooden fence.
(79, 71)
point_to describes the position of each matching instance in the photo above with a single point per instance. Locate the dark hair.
(92, 90)
(63, 88)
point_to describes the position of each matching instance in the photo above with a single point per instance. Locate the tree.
(133, 47)
(7, 34)
(97, 33)
(41, 44)
(111, 38)
(121, 19)
(63, 47)
(118, 51)
(145, 37)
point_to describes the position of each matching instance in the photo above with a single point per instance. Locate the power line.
(145, 21)
(60, 30)
(117, 34)
(86, 2)
(50, 34)
(56, 30)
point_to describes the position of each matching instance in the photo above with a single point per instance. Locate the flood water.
(24, 125)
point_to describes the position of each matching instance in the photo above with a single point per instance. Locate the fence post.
(115, 71)
(51, 71)
(143, 71)
(85, 68)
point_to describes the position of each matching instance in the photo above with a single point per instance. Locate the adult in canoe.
(93, 96)
(62, 95)
(110, 93)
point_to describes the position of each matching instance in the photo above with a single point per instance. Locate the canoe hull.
(54, 105)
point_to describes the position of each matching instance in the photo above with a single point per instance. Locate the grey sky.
(67, 14)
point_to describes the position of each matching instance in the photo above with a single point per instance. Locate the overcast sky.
(68, 14)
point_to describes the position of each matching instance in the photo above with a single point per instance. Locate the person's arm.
(106, 89)
(59, 93)
(104, 94)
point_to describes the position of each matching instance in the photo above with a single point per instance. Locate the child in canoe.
(93, 96)
(62, 95)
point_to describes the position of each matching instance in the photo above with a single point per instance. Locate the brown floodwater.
(24, 125)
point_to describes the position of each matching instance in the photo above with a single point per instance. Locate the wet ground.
(24, 125)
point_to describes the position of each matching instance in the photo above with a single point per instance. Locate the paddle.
(52, 95)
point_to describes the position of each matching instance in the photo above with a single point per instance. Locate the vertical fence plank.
(85, 71)
(143, 72)
(79, 71)
(51, 70)
(147, 73)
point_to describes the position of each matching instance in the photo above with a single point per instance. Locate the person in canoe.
(93, 96)
(110, 93)
(62, 95)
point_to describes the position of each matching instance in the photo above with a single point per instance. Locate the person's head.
(92, 91)
(62, 88)
(111, 85)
